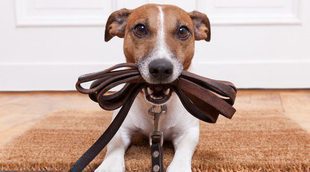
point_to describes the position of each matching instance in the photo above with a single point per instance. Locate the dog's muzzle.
(160, 70)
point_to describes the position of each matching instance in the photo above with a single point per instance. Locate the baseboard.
(251, 74)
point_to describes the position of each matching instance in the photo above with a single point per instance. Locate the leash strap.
(157, 139)
(157, 154)
(105, 138)
(202, 97)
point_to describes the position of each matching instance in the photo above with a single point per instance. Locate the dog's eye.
(140, 30)
(183, 33)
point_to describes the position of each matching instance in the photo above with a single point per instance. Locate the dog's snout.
(160, 69)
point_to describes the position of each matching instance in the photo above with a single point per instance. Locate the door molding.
(95, 12)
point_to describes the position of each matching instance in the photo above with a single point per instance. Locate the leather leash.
(202, 97)
(157, 139)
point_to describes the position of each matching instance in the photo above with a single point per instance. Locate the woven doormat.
(251, 141)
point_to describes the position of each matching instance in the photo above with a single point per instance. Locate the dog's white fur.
(177, 124)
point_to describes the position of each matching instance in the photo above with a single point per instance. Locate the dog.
(160, 39)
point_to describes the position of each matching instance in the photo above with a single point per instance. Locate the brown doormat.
(252, 141)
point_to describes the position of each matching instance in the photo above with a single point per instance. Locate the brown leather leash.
(202, 97)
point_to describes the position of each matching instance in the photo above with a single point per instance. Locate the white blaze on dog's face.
(159, 38)
(160, 65)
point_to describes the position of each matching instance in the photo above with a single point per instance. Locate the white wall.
(47, 44)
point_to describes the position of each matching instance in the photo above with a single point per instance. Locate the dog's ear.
(201, 25)
(116, 24)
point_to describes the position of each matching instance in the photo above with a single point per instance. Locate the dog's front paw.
(111, 166)
(180, 167)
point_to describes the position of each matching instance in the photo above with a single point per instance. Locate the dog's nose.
(160, 69)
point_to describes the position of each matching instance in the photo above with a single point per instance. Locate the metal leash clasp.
(157, 136)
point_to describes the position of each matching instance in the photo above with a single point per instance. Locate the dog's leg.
(114, 159)
(184, 145)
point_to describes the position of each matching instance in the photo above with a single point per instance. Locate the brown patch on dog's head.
(122, 23)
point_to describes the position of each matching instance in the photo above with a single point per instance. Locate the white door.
(47, 44)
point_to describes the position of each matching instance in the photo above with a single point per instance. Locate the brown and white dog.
(160, 39)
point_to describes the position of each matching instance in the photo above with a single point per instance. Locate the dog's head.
(159, 38)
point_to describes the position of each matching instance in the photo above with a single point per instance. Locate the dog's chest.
(173, 122)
